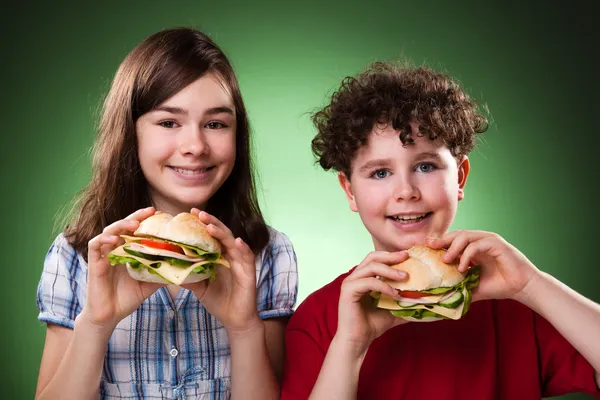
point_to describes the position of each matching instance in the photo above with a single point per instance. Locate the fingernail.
(402, 274)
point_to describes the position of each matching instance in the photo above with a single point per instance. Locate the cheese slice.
(173, 274)
(190, 255)
(387, 302)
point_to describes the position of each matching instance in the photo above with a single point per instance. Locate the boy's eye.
(426, 167)
(215, 125)
(167, 124)
(380, 174)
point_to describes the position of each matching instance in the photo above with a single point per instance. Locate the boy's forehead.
(386, 142)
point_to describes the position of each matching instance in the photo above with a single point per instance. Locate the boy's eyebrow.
(430, 155)
(210, 111)
(379, 163)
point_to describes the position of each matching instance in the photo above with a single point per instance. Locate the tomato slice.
(412, 295)
(162, 246)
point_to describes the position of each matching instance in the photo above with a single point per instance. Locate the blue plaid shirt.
(166, 349)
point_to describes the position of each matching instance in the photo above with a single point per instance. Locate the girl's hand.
(231, 297)
(505, 271)
(359, 320)
(111, 293)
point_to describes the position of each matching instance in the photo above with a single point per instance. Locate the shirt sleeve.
(304, 353)
(277, 278)
(563, 368)
(60, 292)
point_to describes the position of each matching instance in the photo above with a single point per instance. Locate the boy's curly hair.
(388, 93)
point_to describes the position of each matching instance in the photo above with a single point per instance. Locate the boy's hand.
(231, 298)
(359, 320)
(505, 271)
(111, 293)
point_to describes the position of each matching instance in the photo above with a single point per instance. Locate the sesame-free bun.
(426, 270)
(184, 228)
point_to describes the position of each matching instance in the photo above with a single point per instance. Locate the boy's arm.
(575, 317)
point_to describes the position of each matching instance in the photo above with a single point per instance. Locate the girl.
(173, 136)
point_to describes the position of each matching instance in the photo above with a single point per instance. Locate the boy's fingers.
(377, 269)
(384, 257)
(358, 288)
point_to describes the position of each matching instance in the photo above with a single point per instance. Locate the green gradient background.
(534, 178)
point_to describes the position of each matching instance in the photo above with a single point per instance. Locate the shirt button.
(171, 314)
(173, 352)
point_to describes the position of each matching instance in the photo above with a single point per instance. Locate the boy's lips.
(409, 221)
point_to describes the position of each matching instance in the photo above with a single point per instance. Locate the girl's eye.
(426, 167)
(215, 125)
(167, 124)
(380, 174)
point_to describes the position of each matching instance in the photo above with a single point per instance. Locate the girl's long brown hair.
(152, 72)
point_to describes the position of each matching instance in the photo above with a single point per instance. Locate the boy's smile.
(404, 193)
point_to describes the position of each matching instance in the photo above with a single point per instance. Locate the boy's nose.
(406, 190)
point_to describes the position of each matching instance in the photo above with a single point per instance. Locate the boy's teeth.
(410, 218)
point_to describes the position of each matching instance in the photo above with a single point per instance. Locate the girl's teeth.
(189, 171)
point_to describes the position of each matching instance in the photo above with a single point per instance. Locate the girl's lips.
(197, 175)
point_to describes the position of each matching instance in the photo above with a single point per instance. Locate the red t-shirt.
(499, 350)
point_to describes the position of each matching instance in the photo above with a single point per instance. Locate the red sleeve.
(563, 369)
(304, 351)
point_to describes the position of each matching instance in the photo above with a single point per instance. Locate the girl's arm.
(72, 361)
(575, 317)
(253, 361)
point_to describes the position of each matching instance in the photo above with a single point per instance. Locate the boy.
(399, 139)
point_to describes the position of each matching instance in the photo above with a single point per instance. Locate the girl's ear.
(347, 186)
(463, 172)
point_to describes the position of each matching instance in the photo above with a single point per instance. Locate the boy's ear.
(463, 172)
(347, 186)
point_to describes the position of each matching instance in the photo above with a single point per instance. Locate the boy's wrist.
(528, 296)
(352, 349)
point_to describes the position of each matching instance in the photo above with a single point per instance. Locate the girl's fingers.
(141, 214)
(224, 236)
(245, 251)
(123, 225)
(378, 269)
(95, 246)
(211, 219)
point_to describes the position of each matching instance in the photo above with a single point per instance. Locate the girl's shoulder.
(61, 251)
(279, 246)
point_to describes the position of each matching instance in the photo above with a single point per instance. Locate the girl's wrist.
(94, 329)
(252, 327)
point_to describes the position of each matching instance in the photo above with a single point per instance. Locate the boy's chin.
(404, 244)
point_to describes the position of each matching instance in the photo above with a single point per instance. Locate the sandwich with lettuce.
(166, 249)
(433, 291)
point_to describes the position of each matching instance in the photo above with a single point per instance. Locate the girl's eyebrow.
(210, 111)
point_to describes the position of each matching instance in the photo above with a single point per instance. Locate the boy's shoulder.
(320, 308)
